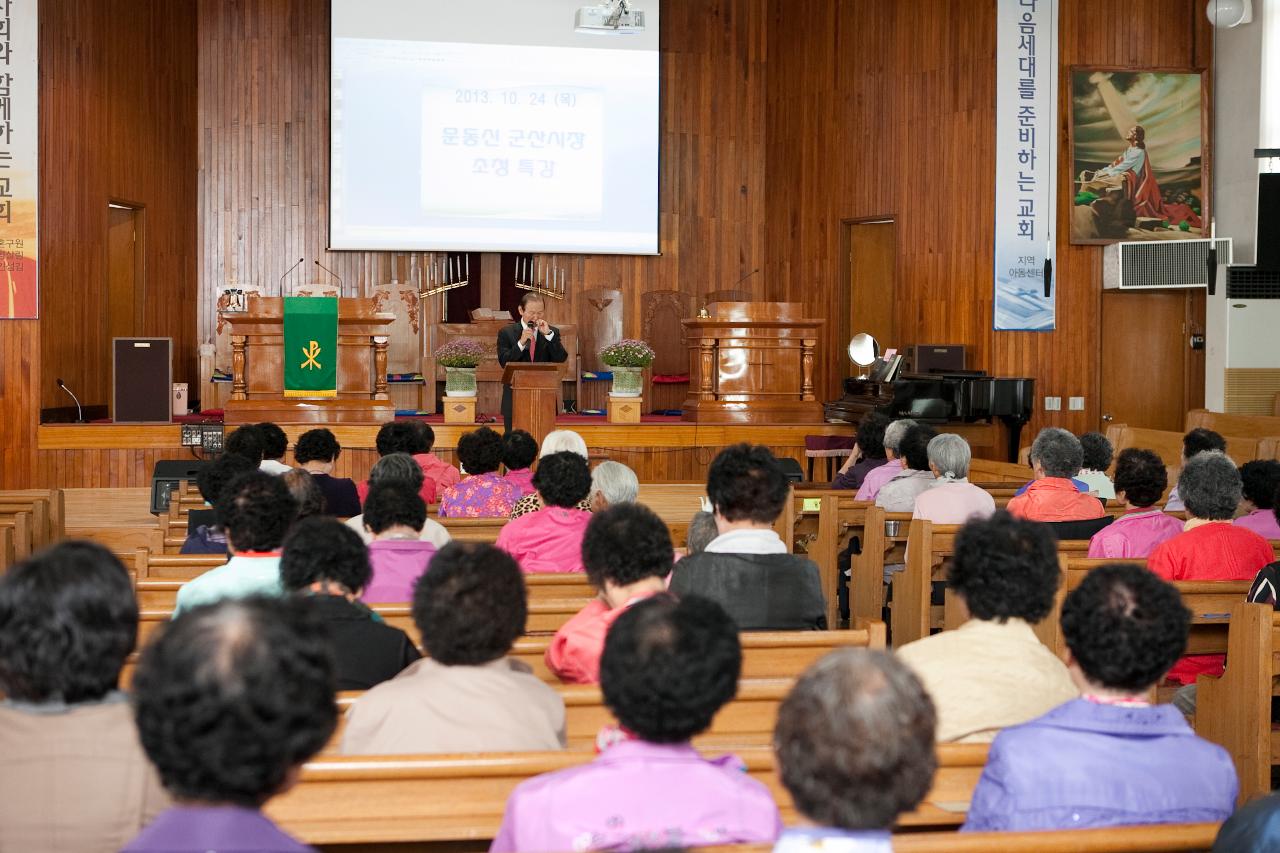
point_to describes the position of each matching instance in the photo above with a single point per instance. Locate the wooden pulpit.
(257, 367)
(534, 391)
(752, 363)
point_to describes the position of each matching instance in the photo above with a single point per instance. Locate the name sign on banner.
(1026, 163)
(19, 128)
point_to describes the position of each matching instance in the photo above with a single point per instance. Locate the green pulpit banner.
(310, 346)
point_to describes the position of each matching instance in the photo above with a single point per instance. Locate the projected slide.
(456, 145)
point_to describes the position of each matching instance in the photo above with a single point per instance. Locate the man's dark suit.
(509, 350)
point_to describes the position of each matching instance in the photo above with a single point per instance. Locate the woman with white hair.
(557, 441)
(952, 499)
(612, 483)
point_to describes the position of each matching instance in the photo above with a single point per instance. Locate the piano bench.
(828, 447)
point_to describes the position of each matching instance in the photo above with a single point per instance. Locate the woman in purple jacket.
(1109, 758)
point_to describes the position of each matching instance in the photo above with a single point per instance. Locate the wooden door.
(1147, 367)
(871, 259)
(124, 297)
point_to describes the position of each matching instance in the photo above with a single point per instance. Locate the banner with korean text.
(1026, 163)
(19, 146)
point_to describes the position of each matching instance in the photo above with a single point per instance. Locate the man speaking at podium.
(532, 339)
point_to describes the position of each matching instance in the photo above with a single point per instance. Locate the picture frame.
(1139, 142)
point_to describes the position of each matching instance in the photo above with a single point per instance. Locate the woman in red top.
(1056, 457)
(1210, 548)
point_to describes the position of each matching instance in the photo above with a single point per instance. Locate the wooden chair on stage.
(667, 379)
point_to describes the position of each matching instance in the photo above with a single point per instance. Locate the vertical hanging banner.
(1026, 164)
(19, 184)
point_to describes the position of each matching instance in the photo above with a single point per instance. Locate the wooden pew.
(1156, 838)
(6, 548)
(1249, 426)
(821, 534)
(746, 721)
(1168, 445)
(765, 654)
(48, 513)
(18, 525)
(884, 539)
(443, 798)
(1210, 602)
(986, 471)
(1234, 710)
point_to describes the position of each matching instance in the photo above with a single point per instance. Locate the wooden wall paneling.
(889, 108)
(117, 90)
(19, 402)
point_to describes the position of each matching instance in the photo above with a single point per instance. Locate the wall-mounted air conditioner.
(1160, 264)
(1242, 359)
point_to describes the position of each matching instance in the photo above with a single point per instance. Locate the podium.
(257, 367)
(534, 389)
(752, 363)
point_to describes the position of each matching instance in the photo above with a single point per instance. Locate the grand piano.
(940, 398)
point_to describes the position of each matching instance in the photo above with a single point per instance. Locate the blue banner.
(1026, 163)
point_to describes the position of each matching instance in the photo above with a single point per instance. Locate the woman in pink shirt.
(1140, 480)
(550, 539)
(394, 515)
(628, 556)
(668, 667)
(519, 449)
(952, 499)
(1260, 483)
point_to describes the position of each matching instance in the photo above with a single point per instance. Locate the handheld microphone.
(330, 272)
(286, 275)
(79, 411)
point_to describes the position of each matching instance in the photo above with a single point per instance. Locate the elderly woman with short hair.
(900, 493)
(1056, 457)
(878, 476)
(952, 499)
(557, 441)
(1140, 481)
(401, 469)
(612, 483)
(550, 539)
(1210, 548)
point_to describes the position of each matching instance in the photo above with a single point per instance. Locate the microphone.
(1048, 277)
(747, 276)
(330, 272)
(286, 274)
(79, 411)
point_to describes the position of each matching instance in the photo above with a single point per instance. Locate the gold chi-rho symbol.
(311, 352)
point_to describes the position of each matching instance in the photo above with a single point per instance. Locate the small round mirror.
(863, 350)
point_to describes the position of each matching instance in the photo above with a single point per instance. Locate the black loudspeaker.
(937, 358)
(165, 478)
(1268, 221)
(141, 380)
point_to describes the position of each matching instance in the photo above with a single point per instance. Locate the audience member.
(900, 492)
(1267, 581)
(519, 449)
(1056, 456)
(246, 441)
(1109, 758)
(275, 444)
(854, 741)
(612, 483)
(208, 536)
(1095, 460)
(400, 469)
(881, 474)
(557, 441)
(1259, 485)
(306, 491)
(256, 511)
(952, 499)
(316, 452)
(326, 560)
(393, 515)
(484, 493)
(668, 667)
(628, 555)
(230, 702)
(1210, 548)
(398, 437)
(1141, 479)
(868, 452)
(466, 696)
(1194, 442)
(73, 776)
(434, 468)
(702, 529)
(1254, 827)
(993, 671)
(747, 568)
(550, 539)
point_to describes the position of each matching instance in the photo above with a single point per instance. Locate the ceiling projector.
(614, 18)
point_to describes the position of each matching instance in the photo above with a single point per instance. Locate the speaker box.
(937, 358)
(165, 478)
(141, 380)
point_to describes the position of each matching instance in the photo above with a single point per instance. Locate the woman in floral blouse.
(483, 493)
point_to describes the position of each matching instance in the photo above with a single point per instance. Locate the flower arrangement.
(628, 353)
(460, 352)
